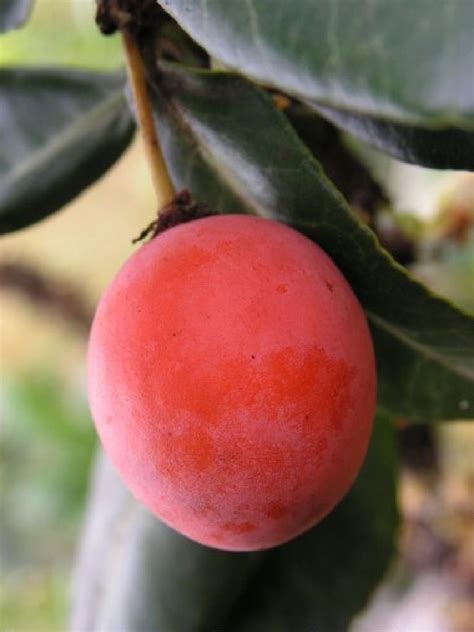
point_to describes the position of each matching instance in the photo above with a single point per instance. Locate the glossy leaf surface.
(61, 130)
(410, 62)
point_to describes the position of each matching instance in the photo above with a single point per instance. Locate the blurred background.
(51, 277)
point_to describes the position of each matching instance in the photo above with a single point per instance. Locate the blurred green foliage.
(48, 441)
(451, 272)
(61, 33)
(34, 600)
(47, 437)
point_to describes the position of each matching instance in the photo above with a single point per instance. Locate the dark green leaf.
(60, 130)
(226, 142)
(136, 574)
(354, 61)
(405, 61)
(341, 164)
(321, 580)
(447, 148)
(14, 13)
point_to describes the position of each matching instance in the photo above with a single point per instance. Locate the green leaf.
(14, 13)
(60, 130)
(406, 61)
(398, 74)
(446, 148)
(321, 580)
(136, 574)
(340, 162)
(225, 141)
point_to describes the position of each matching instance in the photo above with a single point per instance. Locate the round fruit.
(232, 380)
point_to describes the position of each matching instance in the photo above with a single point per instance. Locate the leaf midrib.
(60, 141)
(203, 148)
(428, 352)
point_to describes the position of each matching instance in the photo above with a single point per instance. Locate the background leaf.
(136, 574)
(412, 100)
(61, 130)
(14, 13)
(207, 125)
(321, 580)
(446, 148)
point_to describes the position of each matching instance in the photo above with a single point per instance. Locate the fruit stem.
(136, 76)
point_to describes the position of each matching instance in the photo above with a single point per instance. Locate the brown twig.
(136, 75)
(47, 293)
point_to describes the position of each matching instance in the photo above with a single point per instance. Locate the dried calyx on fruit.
(180, 210)
(232, 380)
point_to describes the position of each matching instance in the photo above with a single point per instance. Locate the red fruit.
(232, 380)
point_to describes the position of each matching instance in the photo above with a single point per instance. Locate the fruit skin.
(232, 380)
